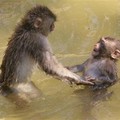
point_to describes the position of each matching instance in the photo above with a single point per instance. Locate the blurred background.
(79, 26)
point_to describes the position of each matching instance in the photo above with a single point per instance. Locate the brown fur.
(101, 66)
(28, 46)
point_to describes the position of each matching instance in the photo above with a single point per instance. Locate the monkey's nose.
(96, 46)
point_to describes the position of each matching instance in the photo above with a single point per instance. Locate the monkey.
(29, 46)
(101, 65)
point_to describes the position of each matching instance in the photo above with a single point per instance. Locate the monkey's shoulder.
(101, 65)
(41, 41)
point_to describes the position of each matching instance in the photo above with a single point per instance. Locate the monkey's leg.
(22, 93)
(29, 89)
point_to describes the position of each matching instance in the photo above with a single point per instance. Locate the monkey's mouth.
(95, 50)
(52, 27)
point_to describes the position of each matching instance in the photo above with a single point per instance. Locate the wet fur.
(29, 46)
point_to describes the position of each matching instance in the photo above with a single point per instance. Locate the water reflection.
(91, 99)
(80, 24)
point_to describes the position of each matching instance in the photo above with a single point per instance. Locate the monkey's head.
(41, 19)
(107, 47)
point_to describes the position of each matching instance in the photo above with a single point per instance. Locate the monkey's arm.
(40, 50)
(109, 78)
(78, 68)
(107, 73)
(104, 82)
(51, 66)
(48, 62)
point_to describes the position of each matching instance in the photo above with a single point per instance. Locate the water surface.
(79, 26)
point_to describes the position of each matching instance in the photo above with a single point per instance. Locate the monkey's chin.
(95, 53)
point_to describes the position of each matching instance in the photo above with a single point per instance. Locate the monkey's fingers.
(67, 67)
(83, 82)
(89, 78)
(79, 81)
(68, 82)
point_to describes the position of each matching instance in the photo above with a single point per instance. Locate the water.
(80, 24)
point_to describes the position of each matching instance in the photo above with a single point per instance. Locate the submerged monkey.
(101, 66)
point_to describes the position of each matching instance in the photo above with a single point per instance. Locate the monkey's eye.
(52, 26)
(102, 46)
(102, 43)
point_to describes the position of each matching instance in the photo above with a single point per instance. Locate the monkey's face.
(48, 26)
(97, 48)
(45, 25)
(100, 48)
(106, 47)
(40, 19)
(52, 26)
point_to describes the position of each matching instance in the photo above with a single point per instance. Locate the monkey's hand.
(67, 67)
(90, 78)
(81, 81)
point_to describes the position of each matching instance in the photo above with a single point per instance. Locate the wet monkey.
(101, 66)
(29, 46)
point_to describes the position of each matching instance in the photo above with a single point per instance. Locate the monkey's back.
(15, 62)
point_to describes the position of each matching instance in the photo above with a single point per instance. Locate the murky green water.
(80, 24)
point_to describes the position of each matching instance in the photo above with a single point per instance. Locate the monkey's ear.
(116, 54)
(38, 22)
